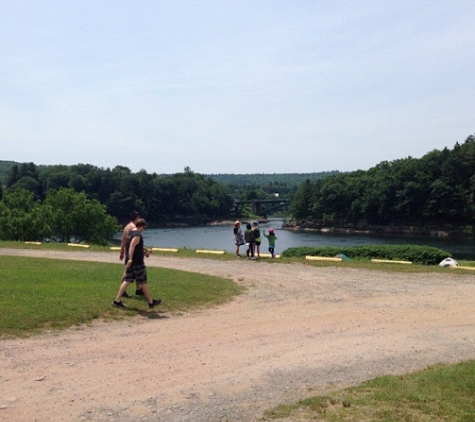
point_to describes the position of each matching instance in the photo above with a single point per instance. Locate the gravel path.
(298, 331)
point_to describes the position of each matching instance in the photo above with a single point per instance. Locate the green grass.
(443, 393)
(191, 253)
(44, 294)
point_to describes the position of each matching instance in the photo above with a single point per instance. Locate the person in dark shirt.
(249, 238)
(257, 238)
(134, 217)
(135, 268)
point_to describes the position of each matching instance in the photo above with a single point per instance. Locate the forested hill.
(437, 190)
(260, 179)
(276, 180)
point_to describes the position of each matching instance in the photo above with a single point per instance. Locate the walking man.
(135, 268)
(123, 245)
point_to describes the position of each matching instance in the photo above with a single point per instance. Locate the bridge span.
(262, 207)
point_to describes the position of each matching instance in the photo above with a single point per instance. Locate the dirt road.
(296, 332)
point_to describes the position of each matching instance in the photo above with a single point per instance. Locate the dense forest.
(436, 190)
(239, 186)
(160, 198)
(259, 185)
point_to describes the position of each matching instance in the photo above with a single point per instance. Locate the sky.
(234, 87)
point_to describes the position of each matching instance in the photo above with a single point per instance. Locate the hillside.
(260, 179)
(235, 180)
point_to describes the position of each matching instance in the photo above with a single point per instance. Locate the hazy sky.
(234, 86)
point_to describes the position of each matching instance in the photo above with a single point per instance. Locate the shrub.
(425, 255)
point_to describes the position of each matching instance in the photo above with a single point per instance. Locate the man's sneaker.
(125, 294)
(154, 303)
(118, 304)
(139, 292)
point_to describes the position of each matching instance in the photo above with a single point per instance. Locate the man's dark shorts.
(137, 273)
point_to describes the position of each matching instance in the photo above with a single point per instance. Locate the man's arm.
(123, 243)
(132, 246)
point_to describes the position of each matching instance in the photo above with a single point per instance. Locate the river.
(221, 238)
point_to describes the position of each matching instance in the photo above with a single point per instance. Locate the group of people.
(252, 239)
(133, 252)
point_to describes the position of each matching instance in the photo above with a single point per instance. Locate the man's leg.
(148, 296)
(125, 294)
(122, 289)
(138, 290)
(118, 300)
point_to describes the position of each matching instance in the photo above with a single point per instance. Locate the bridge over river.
(262, 207)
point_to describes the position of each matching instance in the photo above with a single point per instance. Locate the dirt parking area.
(298, 331)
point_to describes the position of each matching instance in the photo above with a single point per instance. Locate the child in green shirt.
(271, 237)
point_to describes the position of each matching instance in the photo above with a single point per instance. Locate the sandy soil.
(297, 331)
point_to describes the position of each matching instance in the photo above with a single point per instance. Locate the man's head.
(141, 224)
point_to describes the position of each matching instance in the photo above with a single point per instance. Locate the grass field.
(43, 294)
(191, 253)
(443, 393)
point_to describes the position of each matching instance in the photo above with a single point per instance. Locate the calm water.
(221, 238)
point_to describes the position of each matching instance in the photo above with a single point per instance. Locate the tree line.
(435, 190)
(63, 216)
(158, 198)
(65, 202)
(84, 203)
(265, 186)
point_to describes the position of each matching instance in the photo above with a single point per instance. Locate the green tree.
(22, 218)
(79, 219)
(58, 180)
(302, 201)
(25, 176)
(160, 202)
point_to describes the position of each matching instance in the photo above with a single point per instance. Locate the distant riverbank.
(385, 230)
(183, 224)
(432, 231)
